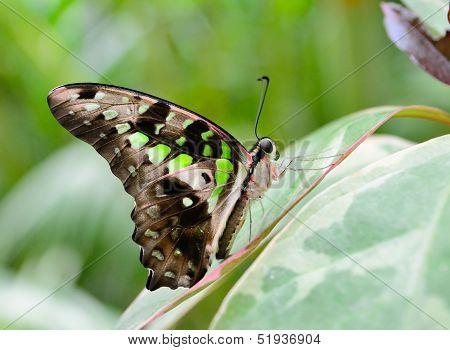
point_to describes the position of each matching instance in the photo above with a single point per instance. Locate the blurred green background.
(62, 211)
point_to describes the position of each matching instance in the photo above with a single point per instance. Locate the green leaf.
(340, 138)
(146, 303)
(20, 293)
(64, 205)
(432, 12)
(52, 209)
(371, 251)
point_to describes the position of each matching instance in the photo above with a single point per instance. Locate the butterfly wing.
(184, 172)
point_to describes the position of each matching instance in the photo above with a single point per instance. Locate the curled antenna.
(261, 100)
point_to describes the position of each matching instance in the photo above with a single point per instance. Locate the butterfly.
(191, 180)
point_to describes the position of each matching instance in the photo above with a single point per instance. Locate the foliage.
(335, 234)
(64, 220)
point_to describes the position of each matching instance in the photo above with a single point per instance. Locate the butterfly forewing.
(184, 172)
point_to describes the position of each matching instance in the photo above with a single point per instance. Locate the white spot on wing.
(91, 106)
(169, 274)
(99, 95)
(187, 202)
(152, 234)
(158, 254)
(132, 170)
(143, 108)
(158, 127)
(110, 114)
(153, 211)
(122, 128)
(73, 97)
(170, 116)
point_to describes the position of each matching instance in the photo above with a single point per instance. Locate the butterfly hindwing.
(184, 172)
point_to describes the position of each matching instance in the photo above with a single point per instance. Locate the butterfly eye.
(266, 145)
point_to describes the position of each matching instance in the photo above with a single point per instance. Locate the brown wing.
(184, 172)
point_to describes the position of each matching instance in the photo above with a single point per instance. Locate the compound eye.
(266, 145)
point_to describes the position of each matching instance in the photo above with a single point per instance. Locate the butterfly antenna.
(261, 101)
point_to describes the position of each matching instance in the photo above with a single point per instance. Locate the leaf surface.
(369, 252)
(340, 138)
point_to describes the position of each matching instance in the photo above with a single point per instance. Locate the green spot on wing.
(138, 139)
(143, 108)
(207, 151)
(215, 194)
(226, 151)
(121, 128)
(213, 199)
(181, 141)
(206, 135)
(180, 162)
(187, 122)
(224, 167)
(157, 154)
(110, 114)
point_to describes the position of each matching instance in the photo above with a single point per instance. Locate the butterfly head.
(269, 148)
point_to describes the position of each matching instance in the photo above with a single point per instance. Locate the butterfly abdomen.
(234, 224)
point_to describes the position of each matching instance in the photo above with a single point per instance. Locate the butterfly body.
(191, 180)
